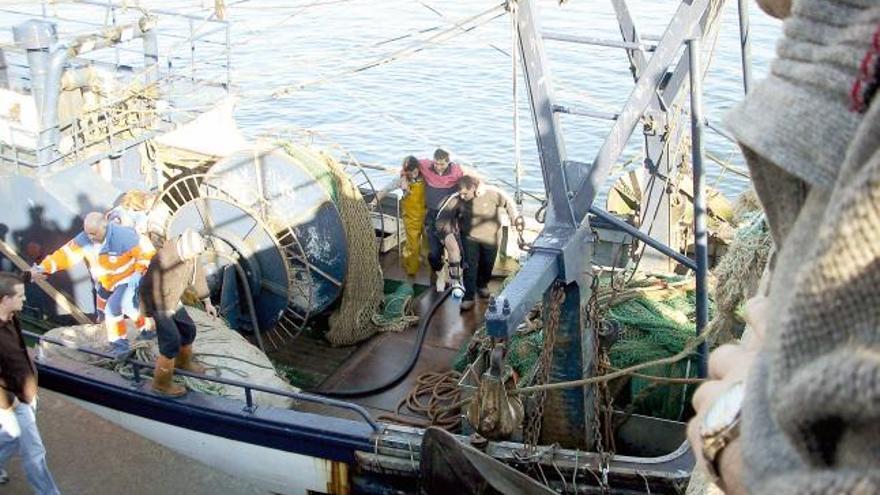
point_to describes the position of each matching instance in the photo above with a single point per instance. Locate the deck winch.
(274, 211)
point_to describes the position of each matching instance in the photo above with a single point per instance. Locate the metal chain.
(602, 425)
(532, 430)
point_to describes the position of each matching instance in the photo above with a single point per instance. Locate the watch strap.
(714, 445)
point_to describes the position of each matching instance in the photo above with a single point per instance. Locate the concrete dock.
(91, 456)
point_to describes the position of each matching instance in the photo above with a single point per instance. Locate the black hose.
(413, 357)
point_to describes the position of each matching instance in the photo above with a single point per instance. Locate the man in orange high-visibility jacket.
(117, 257)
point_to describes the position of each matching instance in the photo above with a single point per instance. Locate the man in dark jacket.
(18, 397)
(174, 268)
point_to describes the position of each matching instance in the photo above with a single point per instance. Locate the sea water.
(458, 94)
(441, 83)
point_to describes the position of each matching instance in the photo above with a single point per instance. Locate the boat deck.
(379, 358)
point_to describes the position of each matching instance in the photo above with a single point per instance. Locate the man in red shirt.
(441, 181)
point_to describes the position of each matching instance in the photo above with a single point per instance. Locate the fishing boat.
(299, 262)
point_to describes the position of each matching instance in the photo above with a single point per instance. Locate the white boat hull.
(274, 470)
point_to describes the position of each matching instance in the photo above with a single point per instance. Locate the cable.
(514, 48)
(400, 375)
(445, 18)
(474, 21)
(254, 34)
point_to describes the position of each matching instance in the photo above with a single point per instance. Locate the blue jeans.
(33, 454)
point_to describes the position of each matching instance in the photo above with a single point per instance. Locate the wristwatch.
(720, 426)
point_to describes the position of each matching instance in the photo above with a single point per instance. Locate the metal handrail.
(248, 388)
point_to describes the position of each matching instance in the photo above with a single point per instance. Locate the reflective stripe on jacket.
(123, 253)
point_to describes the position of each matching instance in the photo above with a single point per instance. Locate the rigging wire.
(517, 162)
(725, 164)
(422, 136)
(477, 21)
(444, 17)
(253, 34)
(317, 3)
(459, 26)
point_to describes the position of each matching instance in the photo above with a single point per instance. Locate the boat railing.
(249, 389)
(152, 92)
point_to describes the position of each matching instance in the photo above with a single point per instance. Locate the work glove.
(9, 423)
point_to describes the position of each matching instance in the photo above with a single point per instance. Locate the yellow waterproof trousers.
(412, 209)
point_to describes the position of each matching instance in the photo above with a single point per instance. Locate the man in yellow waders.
(412, 210)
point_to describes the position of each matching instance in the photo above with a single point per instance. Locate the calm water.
(456, 94)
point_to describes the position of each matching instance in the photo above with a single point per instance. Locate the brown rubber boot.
(185, 361)
(162, 378)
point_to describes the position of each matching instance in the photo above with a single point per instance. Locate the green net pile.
(738, 275)
(523, 352)
(656, 317)
(655, 326)
(394, 310)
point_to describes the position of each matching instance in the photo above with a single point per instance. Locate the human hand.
(211, 309)
(757, 312)
(779, 9)
(9, 423)
(728, 364)
(373, 204)
(519, 223)
(37, 273)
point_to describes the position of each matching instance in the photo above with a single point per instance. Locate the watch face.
(724, 410)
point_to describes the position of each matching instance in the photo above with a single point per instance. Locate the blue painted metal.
(230, 300)
(525, 290)
(676, 82)
(654, 223)
(701, 234)
(585, 112)
(563, 251)
(314, 435)
(568, 413)
(551, 147)
(630, 35)
(111, 378)
(683, 26)
(559, 253)
(589, 40)
(295, 198)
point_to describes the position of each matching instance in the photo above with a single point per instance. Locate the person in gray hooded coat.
(809, 373)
